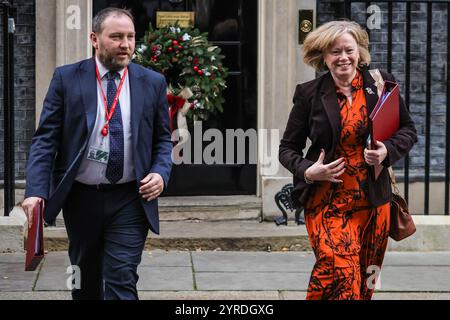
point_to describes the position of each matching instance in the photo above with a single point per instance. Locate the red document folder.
(384, 120)
(35, 240)
(385, 117)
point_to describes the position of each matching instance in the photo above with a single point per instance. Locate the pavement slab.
(36, 295)
(411, 296)
(209, 295)
(57, 259)
(276, 262)
(423, 278)
(12, 258)
(13, 276)
(292, 295)
(161, 258)
(411, 259)
(11, 280)
(262, 281)
(53, 275)
(165, 278)
(52, 278)
(301, 295)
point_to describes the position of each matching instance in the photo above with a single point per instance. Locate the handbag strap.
(393, 181)
(379, 81)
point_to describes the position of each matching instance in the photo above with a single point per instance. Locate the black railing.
(350, 9)
(8, 12)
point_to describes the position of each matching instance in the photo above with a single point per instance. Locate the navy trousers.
(107, 229)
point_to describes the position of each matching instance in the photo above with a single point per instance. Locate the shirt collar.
(103, 71)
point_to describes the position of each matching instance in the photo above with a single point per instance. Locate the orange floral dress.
(348, 235)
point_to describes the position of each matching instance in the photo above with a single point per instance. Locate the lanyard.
(109, 114)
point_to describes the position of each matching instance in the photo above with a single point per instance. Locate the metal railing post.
(8, 112)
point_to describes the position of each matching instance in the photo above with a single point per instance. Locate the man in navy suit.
(102, 154)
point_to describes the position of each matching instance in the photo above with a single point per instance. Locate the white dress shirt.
(92, 172)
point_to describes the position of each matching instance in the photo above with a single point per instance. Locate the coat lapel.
(88, 85)
(370, 90)
(330, 103)
(331, 106)
(137, 100)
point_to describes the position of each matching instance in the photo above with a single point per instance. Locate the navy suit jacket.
(66, 124)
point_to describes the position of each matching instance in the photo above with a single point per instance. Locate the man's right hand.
(28, 205)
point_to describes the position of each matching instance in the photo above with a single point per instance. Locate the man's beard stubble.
(110, 62)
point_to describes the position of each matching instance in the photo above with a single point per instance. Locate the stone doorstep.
(12, 231)
(208, 208)
(209, 201)
(11, 235)
(433, 234)
(207, 235)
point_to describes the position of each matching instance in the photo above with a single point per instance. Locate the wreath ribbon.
(179, 107)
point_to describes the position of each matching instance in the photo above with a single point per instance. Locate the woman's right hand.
(326, 172)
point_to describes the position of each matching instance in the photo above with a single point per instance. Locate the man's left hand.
(376, 156)
(151, 186)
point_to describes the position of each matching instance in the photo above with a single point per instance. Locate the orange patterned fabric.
(348, 235)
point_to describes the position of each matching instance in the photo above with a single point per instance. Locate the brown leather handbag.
(402, 224)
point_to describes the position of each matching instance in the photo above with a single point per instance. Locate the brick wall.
(378, 47)
(24, 102)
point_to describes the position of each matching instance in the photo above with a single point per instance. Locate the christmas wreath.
(193, 69)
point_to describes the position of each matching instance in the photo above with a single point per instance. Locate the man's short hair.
(97, 22)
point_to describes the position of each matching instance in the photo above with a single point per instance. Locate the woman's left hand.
(376, 156)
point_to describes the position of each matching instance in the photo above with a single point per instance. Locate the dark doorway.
(232, 25)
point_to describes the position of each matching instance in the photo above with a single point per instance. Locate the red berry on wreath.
(180, 47)
(154, 48)
(200, 72)
(170, 49)
(195, 68)
(175, 42)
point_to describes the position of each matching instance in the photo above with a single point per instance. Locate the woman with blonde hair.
(346, 209)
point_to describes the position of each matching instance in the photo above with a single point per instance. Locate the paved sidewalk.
(230, 275)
